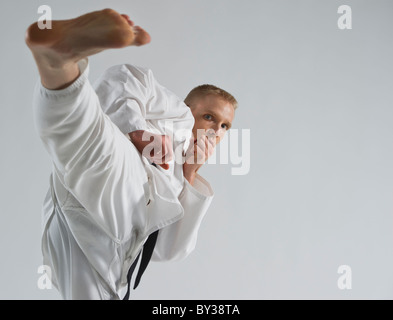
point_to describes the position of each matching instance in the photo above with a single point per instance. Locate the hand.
(196, 155)
(157, 148)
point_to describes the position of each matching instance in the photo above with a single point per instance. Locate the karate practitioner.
(108, 195)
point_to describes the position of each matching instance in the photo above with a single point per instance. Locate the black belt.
(147, 252)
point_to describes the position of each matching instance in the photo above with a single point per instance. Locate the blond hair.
(208, 89)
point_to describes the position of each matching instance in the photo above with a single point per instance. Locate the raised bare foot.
(69, 41)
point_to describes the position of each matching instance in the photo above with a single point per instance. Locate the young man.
(111, 201)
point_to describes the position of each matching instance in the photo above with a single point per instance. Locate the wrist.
(189, 173)
(136, 135)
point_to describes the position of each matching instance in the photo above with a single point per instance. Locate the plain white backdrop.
(318, 102)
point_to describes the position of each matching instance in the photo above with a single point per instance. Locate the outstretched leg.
(57, 50)
(99, 176)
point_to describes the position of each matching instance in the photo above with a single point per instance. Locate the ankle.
(57, 78)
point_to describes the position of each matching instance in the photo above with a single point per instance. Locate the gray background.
(319, 104)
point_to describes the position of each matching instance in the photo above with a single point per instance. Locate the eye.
(224, 126)
(208, 117)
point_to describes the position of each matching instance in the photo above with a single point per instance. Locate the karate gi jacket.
(101, 207)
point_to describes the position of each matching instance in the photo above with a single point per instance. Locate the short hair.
(209, 89)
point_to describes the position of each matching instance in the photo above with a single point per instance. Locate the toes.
(127, 18)
(141, 36)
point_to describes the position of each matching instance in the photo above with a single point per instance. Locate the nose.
(216, 127)
(211, 133)
(218, 134)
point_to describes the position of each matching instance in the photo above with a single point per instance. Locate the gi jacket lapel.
(164, 207)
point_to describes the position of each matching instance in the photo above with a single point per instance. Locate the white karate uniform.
(105, 198)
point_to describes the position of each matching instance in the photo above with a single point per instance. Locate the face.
(213, 114)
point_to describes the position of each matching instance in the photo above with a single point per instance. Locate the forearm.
(189, 173)
(177, 240)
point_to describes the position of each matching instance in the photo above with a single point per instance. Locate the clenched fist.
(157, 148)
(197, 154)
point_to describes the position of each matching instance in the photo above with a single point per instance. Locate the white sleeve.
(123, 92)
(131, 95)
(178, 240)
